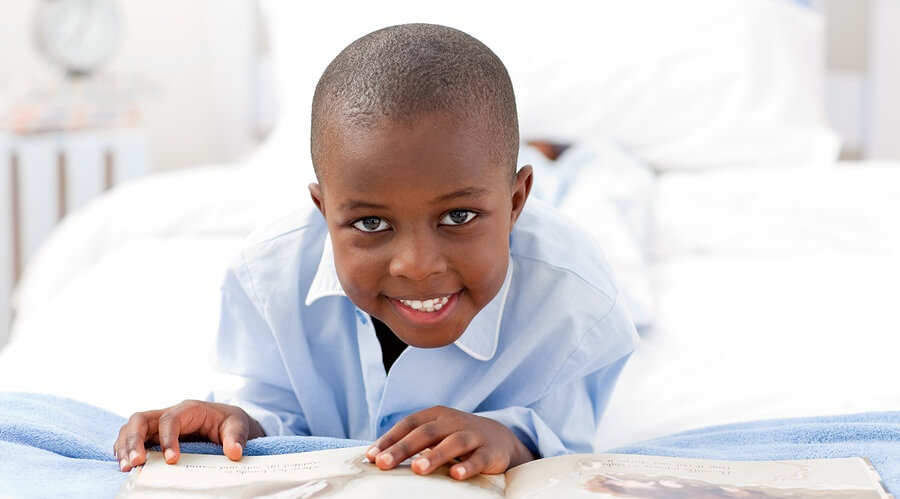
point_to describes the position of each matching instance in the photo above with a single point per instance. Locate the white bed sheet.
(215, 200)
(120, 306)
(776, 293)
(132, 332)
(741, 338)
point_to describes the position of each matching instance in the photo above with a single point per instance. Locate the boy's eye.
(458, 217)
(371, 224)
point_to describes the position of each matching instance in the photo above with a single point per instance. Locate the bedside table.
(43, 177)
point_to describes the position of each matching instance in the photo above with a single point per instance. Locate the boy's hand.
(483, 445)
(223, 424)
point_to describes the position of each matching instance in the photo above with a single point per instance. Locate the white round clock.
(78, 35)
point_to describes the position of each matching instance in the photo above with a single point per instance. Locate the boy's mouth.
(432, 305)
(427, 311)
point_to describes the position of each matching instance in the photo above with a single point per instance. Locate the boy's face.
(419, 218)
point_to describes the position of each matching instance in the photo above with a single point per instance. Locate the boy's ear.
(521, 190)
(315, 192)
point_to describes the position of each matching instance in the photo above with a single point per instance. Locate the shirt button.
(361, 317)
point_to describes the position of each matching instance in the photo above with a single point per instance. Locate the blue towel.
(873, 435)
(55, 447)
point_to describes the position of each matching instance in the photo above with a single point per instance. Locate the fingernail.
(122, 464)
(387, 459)
(459, 471)
(132, 456)
(239, 446)
(372, 452)
(170, 455)
(422, 463)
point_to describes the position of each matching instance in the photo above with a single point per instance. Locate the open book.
(347, 473)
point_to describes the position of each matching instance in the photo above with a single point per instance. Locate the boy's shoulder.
(546, 237)
(295, 224)
(289, 245)
(297, 235)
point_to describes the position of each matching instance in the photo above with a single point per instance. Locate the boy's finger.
(400, 430)
(169, 431)
(234, 431)
(455, 445)
(119, 451)
(129, 446)
(119, 447)
(134, 447)
(187, 417)
(140, 426)
(483, 460)
(419, 439)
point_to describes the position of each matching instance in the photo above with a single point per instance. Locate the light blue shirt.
(542, 357)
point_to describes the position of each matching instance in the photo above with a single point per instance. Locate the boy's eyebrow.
(468, 192)
(354, 204)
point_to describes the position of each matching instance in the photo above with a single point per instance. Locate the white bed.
(765, 274)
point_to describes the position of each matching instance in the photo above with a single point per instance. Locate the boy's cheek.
(358, 276)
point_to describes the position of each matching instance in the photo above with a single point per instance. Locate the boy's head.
(414, 142)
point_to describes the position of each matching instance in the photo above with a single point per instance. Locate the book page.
(328, 473)
(614, 475)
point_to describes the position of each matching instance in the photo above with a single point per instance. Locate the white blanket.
(777, 295)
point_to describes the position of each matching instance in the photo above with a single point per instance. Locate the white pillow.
(806, 208)
(690, 84)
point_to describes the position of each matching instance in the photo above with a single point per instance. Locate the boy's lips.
(428, 311)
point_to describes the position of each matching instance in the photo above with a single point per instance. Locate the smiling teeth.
(432, 305)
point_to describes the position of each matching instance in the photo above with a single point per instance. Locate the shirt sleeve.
(251, 374)
(565, 419)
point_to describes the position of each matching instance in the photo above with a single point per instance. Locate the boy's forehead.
(424, 159)
(435, 140)
(343, 130)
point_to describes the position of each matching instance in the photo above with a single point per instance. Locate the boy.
(419, 305)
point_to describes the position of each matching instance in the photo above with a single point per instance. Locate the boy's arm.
(563, 420)
(251, 374)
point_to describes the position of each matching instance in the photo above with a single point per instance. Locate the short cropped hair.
(401, 72)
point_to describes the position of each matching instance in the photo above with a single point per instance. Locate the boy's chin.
(429, 340)
(429, 337)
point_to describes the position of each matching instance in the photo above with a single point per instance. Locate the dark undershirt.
(391, 345)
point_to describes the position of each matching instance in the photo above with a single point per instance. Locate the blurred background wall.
(863, 101)
(194, 61)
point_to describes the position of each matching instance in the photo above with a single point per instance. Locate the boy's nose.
(417, 258)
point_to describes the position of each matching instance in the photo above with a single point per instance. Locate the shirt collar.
(325, 282)
(481, 337)
(479, 340)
